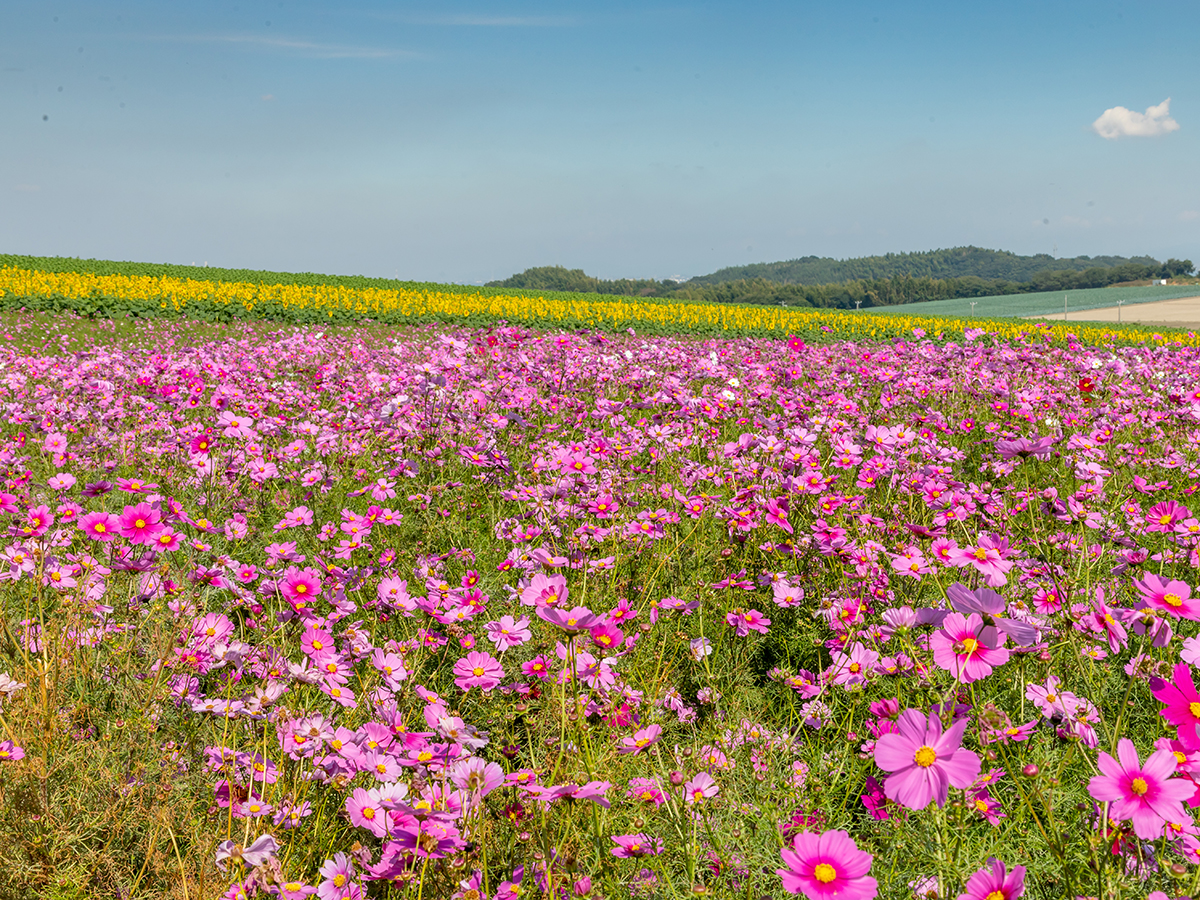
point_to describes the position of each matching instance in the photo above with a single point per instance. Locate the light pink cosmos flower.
(827, 866)
(924, 762)
(545, 590)
(572, 621)
(967, 648)
(988, 556)
(852, 668)
(508, 632)
(365, 812)
(479, 670)
(700, 788)
(1147, 795)
(995, 883)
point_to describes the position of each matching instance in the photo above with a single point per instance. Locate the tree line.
(867, 292)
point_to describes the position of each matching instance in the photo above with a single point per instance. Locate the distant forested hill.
(957, 262)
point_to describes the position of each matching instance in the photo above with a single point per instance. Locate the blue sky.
(464, 142)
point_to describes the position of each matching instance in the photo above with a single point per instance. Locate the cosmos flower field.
(493, 613)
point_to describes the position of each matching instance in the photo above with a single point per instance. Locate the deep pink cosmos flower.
(995, 883)
(100, 526)
(1172, 597)
(924, 762)
(1147, 795)
(827, 866)
(745, 621)
(479, 670)
(139, 523)
(967, 648)
(1182, 704)
(300, 586)
(10, 752)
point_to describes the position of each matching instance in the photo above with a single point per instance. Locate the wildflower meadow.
(489, 612)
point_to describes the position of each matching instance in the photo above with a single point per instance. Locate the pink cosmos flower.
(478, 670)
(995, 883)
(635, 845)
(988, 556)
(852, 668)
(572, 621)
(743, 622)
(100, 526)
(10, 752)
(1147, 795)
(365, 812)
(545, 590)
(508, 632)
(923, 761)
(1182, 704)
(967, 648)
(1172, 597)
(641, 741)
(827, 866)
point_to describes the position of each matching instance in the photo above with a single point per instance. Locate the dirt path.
(1183, 312)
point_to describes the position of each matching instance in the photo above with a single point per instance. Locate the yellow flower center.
(140, 523)
(980, 553)
(301, 588)
(1173, 600)
(969, 645)
(981, 805)
(100, 529)
(824, 873)
(996, 895)
(1194, 708)
(477, 671)
(1139, 786)
(925, 757)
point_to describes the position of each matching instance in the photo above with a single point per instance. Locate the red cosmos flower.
(1086, 385)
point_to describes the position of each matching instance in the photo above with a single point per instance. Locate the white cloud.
(1188, 215)
(1121, 122)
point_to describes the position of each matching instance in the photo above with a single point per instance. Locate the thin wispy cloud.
(311, 49)
(484, 21)
(1120, 122)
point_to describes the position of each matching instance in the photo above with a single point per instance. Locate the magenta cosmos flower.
(968, 648)
(924, 762)
(827, 865)
(1147, 795)
(995, 883)
(139, 523)
(478, 670)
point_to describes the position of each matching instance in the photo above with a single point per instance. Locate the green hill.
(957, 262)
